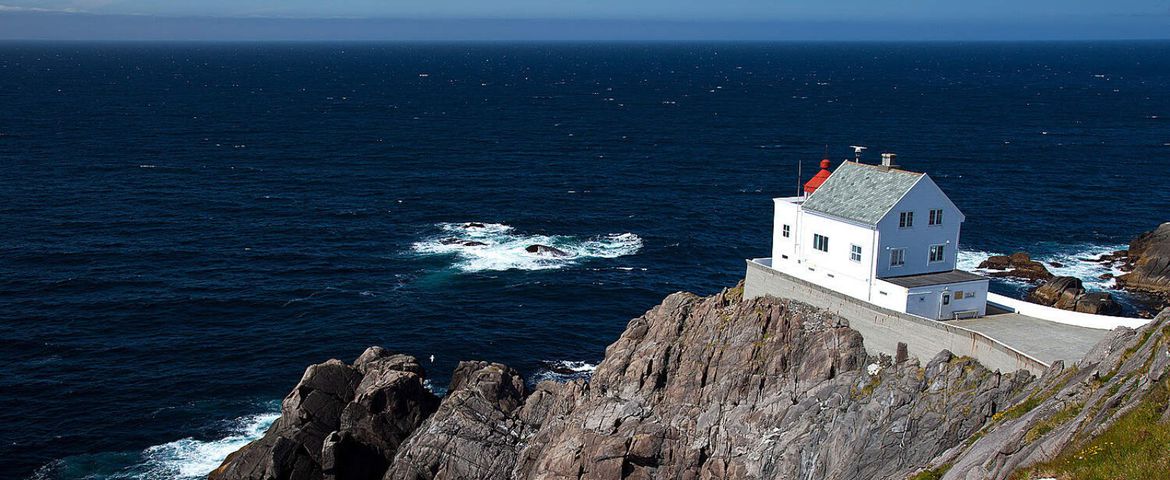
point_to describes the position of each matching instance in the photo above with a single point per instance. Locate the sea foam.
(189, 459)
(503, 248)
(1075, 261)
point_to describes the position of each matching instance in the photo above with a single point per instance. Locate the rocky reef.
(1017, 265)
(714, 387)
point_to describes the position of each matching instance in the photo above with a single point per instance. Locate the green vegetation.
(932, 474)
(1136, 446)
(1049, 424)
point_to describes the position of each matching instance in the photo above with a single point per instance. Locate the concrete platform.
(1046, 341)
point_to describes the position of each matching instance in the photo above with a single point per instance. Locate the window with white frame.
(820, 242)
(897, 257)
(905, 219)
(855, 253)
(936, 216)
(786, 231)
(936, 253)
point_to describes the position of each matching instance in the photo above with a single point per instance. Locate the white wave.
(190, 459)
(496, 247)
(564, 370)
(1074, 261)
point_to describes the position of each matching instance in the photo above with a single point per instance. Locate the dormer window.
(936, 216)
(905, 219)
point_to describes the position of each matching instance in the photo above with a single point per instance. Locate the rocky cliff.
(715, 387)
(1148, 262)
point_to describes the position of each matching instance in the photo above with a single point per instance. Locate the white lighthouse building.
(879, 234)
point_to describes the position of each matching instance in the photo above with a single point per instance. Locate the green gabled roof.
(861, 192)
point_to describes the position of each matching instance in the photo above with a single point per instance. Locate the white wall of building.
(917, 239)
(787, 211)
(835, 268)
(888, 295)
(928, 301)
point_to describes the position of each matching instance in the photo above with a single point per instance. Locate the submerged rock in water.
(462, 242)
(546, 250)
(474, 225)
(1018, 265)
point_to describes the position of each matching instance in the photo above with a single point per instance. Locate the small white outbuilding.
(880, 234)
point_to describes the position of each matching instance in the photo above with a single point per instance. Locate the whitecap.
(188, 458)
(1074, 260)
(496, 247)
(564, 370)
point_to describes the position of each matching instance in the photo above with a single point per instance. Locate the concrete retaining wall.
(1067, 317)
(883, 329)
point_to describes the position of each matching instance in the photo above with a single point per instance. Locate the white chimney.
(888, 160)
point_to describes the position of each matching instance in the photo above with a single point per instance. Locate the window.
(787, 231)
(897, 257)
(855, 253)
(959, 295)
(936, 253)
(906, 220)
(936, 216)
(946, 299)
(820, 242)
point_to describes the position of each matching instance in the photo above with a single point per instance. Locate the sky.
(584, 19)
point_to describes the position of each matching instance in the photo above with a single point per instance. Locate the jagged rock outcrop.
(1148, 260)
(1018, 265)
(724, 388)
(715, 387)
(474, 434)
(1072, 414)
(1069, 293)
(341, 422)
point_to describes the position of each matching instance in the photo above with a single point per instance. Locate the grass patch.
(1049, 424)
(932, 474)
(1136, 446)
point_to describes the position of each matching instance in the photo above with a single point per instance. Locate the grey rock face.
(474, 434)
(1068, 405)
(340, 422)
(1149, 259)
(724, 388)
(714, 387)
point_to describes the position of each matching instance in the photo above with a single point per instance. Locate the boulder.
(546, 250)
(1148, 263)
(1060, 292)
(474, 225)
(1098, 303)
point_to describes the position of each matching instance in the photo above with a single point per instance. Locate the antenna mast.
(799, 167)
(857, 149)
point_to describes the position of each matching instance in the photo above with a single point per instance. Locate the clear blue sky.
(937, 19)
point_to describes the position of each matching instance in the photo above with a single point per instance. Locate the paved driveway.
(1046, 341)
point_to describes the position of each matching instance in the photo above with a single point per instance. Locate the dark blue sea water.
(184, 227)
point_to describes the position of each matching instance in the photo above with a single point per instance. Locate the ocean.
(185, 227)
